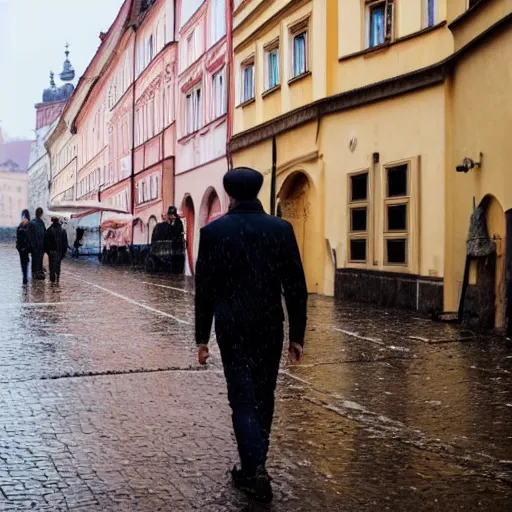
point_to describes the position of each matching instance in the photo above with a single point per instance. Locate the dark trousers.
(37, 262)
(24, 260)
(54, 262)
(251, 367)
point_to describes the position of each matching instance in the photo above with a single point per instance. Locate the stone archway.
(211, 207)
(140, 235)
(294, 206)
(496, 226)
(190, 216)
(152, 222)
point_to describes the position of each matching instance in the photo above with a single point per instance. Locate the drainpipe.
(274, 177)
(132, 178)
(229, 75)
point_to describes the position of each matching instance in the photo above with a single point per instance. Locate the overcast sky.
(32, 38)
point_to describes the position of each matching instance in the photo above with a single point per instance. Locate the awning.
(79, 209)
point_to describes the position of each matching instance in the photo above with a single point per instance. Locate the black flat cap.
(172, 210)
(243, 184)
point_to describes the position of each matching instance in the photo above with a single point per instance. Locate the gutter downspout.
(229, 74)
(273, 178)
(132, 177)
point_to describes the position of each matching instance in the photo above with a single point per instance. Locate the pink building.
(202, 127)
(154, 125)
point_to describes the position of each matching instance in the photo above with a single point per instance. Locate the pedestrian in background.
(23, 244)
(246, 259)
(37, 230)
(56, 246)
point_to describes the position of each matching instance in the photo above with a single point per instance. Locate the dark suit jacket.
(246, 260)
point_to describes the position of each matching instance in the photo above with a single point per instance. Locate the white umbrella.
(82, 207)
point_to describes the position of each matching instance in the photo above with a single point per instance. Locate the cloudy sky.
(32, 38)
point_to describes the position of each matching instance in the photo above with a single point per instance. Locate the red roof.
(18, 151)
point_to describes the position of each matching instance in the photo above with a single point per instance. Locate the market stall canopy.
(77, 209)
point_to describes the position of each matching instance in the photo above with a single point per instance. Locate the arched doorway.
(294, 206)
(496, 226)
(140, 236)
(211, 207)
(189, 214)
(151, 227)
(483, 301)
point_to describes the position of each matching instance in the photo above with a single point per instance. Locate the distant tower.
(68, 72)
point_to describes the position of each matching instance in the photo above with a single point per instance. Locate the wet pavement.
(103, 406)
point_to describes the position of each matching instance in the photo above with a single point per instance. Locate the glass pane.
(397, 217)
(377, 24)
(431, 12)
(397, 181)
(359, 187)
(358, 250)
(299, 54)
(397, 251)
(358, 221)
(273, 69)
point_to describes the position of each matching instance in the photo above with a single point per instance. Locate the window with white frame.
(191, 49)
(193, 110)
(397, 214)
(358, 216)
(299, 50)
(272, 65)
(219, 97)
(218, 19)
(149, 50)
(379, 21)
(248, 80)
(430, 8)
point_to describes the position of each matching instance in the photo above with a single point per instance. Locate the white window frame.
(248, 63)
(426, 5)
(193, 109)
(191, 48)
(219, 98)
(218, 20)
(272, 49)
(296, 30)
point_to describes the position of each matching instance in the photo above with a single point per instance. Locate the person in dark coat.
(175, 223)
(23, 244)
(56, 246)
(37, 230)
(246, 260)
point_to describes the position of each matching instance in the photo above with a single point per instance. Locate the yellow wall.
(480, 20)
(409, 127)
(481, 123)
(297, 152)
(250, 39)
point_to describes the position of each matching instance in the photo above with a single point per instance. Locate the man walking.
(56, 246)
(37, 231)
(23, 244)
(246, 259)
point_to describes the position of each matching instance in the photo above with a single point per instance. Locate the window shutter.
(390, 15)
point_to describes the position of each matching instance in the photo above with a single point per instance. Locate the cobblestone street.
(103, 406)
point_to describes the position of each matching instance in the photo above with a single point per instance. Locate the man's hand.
(203, 354)
(295, 353)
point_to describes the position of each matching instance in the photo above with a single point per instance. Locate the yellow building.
(370, 119)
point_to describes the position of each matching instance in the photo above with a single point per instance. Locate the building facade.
(202, 124)
(115, 142)
(365, 106)
(13, 196)
(48, 113)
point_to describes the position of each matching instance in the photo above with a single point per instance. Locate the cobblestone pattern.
(102, 406)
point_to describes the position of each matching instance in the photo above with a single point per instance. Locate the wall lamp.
(468, 164)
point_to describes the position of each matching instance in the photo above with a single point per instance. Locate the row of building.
(381, 127)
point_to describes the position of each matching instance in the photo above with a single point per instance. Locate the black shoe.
(25, 281)
(257, 486)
